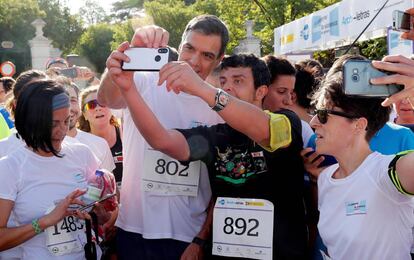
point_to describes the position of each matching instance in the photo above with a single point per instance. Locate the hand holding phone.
(145, 59)
(357, 75)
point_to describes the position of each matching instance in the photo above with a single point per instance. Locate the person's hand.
(179, 76)
(193, 252)
(62, 209)
(403, 68)
(84, 73)
(312, 162)
(150, 36)
(123, 79)
(410, 34)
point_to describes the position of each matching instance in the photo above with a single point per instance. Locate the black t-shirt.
(238, 167)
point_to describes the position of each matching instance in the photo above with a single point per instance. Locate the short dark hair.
(279, 66)
(24, 78)
(305, 85)
(313, 66)
(209, 25)
(369, 108)
(21, 82)
(34, 114)
(7, 83)
(259, 69)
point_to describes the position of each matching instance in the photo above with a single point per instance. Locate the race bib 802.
(165, 176)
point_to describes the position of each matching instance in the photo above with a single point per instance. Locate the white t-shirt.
(363, 216)
(36, 182)
(153, 216)
(7, 146)
(307, 133)
(99, 147)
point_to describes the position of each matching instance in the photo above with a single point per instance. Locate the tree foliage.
(92, 13)
(63, 28)
(16, 17)
(95, 45)
(172, 15)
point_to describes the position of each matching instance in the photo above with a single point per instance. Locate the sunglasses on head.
(92, 105)
(322, 115)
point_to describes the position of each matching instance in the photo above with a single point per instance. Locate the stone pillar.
(250, 44)
(41, 47)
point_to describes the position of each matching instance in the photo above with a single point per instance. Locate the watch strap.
(199, 241)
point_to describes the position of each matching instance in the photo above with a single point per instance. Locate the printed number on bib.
(68, 224)
(66, 237)
(239, 226)
(165, 176)
(243, 228)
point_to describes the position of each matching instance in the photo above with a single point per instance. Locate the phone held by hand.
(145, 59)
(357, 80)
(69, 72)
(98, 201)
(402, 21)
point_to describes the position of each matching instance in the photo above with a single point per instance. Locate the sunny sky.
(74, 5)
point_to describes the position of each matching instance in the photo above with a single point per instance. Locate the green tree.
(124, 9)
(92, 13)
(16, 17)
(63, 28)
(173, 15)
(95, 45)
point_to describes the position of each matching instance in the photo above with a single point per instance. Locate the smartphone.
(402, 21)
(146, 59)
(69, 72)
(90, 205)
(357, 80)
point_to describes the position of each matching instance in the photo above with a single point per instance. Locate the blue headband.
(60, 101)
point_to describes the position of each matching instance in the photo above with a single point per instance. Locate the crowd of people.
(215, 157)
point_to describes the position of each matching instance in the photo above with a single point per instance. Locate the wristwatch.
(222, 98)
(199, 241)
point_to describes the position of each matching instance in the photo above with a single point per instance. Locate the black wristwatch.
(222, 98)
(199, 241)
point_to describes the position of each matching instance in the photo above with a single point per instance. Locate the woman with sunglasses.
(365, 202)
(42, 180)
(98, 120)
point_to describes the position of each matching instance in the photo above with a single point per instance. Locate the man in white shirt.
(161, 213)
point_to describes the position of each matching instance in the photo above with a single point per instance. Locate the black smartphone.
(90, 205)
(146, 59)
(69, 72)
(402, 21)
(357, 80)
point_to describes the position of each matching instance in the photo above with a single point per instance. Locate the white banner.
(337, 25)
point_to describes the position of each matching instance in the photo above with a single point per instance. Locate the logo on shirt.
(356, 208)
(79, 177)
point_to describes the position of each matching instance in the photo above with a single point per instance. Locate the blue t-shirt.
(6, 117)
(390, 139)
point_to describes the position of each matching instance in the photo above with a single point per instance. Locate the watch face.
(223, 98)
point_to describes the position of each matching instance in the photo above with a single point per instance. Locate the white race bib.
(243, 228)
(166, 176)
(66, 237)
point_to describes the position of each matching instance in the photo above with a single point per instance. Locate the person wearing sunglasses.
(365, 200)
(98, 120)
(98, 145)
